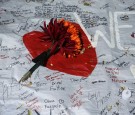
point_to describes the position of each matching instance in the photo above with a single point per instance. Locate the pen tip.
(25, 77)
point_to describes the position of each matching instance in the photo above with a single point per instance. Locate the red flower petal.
(82, 65)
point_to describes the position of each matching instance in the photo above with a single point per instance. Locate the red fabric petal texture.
(82, 65)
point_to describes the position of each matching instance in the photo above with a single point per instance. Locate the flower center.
(63, 34)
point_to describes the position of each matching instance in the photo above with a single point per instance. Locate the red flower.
(72, 42)
(62, 34)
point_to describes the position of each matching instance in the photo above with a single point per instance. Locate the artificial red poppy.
(76, 56)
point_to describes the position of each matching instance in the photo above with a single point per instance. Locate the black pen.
(50, 112)
(39, 60)
(37, 112)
